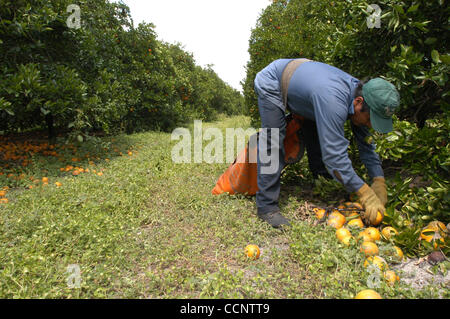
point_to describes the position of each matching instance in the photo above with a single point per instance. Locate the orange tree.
(409, 49)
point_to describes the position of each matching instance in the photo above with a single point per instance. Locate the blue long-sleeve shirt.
(325, 94)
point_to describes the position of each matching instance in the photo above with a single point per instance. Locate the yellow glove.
(379, 187)
(371, 203)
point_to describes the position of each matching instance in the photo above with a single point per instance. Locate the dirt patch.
(418, 274)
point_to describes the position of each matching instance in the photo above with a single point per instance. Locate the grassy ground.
(150, 228)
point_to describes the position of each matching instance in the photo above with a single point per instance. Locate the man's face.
(360, 118)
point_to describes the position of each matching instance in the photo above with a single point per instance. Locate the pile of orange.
(22, 152)
(16, 155)
(346, 218)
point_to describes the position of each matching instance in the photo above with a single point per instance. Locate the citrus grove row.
(66, 92)
(108, 75)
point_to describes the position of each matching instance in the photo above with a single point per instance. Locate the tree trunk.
(51, 130)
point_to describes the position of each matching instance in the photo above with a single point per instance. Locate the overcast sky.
(215, 31)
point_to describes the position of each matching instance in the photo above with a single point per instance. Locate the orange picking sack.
(241, 175)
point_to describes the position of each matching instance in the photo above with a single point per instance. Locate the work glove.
(379, 187)
(372, 204)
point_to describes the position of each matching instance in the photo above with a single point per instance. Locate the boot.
(275, 219)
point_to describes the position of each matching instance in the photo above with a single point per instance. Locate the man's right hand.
(379, 187)
(371, 203)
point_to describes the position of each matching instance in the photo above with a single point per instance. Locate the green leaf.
(399, 9)
(435, 56)
(413, 8)
(445, 58)
(392, 138)
(80, 138)
(430, 40)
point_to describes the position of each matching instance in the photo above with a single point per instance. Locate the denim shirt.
(325, 94)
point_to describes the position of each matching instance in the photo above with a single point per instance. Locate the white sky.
(215, 31)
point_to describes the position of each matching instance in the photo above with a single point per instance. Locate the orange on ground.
(320, 212)
(399, 253)
(365, 237)
(427, 234)
(252, 251)
(336, 220)
(368, 294)
(391, 277)
(356, 223)
(373, 233)
(369, 248)
(342, 232)
(45, 179)
(377, 261)
(432, 235)
(388, 232)
(437, 225)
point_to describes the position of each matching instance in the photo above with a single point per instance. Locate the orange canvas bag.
(241, 175)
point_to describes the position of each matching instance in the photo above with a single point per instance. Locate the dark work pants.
(312, 144)
(272, 116)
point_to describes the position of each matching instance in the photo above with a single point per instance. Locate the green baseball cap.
(383, 99)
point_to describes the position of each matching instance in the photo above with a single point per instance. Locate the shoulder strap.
(287, 75)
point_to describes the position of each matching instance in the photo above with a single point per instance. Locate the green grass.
(150, 228)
